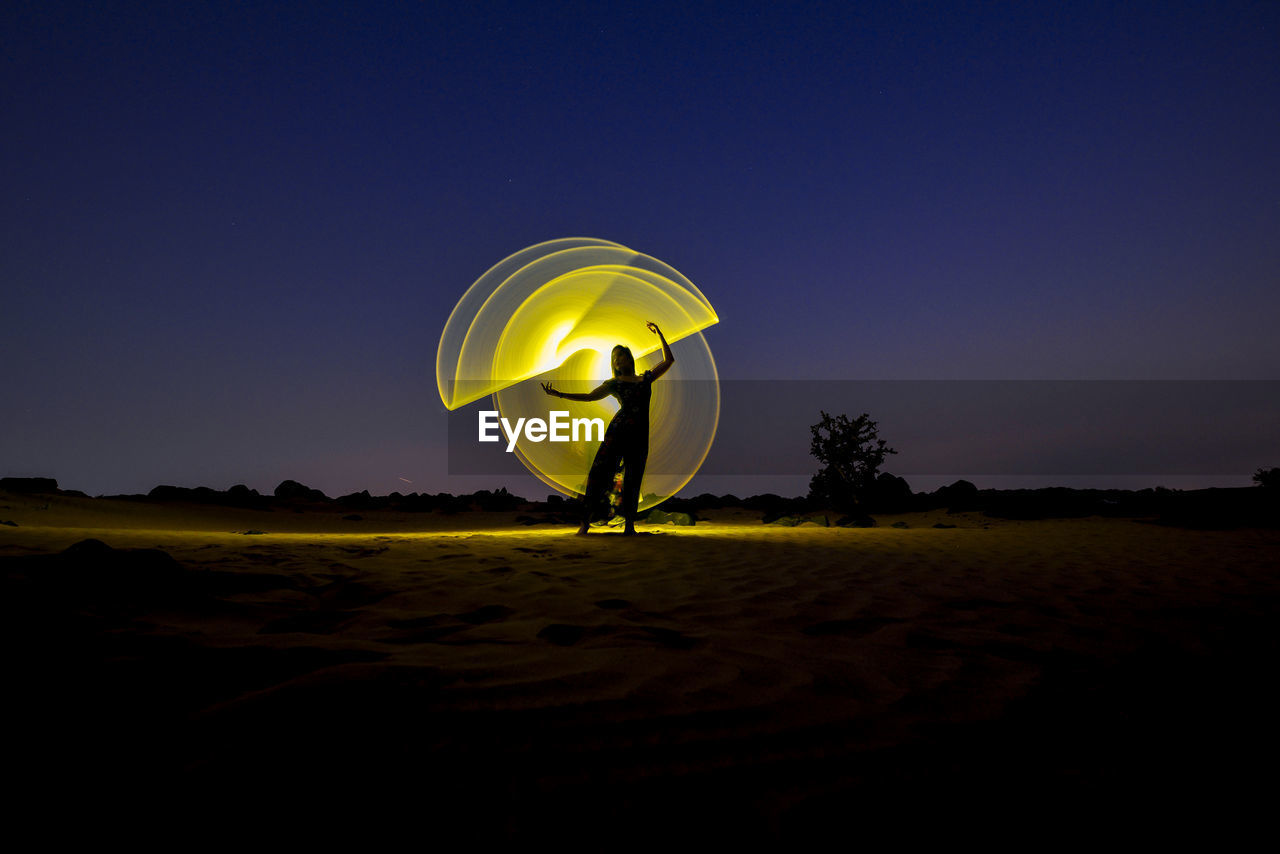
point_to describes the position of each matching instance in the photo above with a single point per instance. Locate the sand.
(743, 680)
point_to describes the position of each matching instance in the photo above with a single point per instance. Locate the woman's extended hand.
(668, 358)
(549, 390)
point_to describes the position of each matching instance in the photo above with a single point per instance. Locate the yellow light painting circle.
(553, 312)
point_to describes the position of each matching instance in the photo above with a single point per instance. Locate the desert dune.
(767, 681)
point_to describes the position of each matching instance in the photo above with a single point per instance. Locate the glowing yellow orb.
(553, 312)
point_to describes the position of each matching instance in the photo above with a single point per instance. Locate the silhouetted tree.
(1267, 477)
(850, 452)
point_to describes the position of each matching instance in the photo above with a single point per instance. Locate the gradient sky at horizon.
(232, 233)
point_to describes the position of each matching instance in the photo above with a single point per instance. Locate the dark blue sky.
(231, 233)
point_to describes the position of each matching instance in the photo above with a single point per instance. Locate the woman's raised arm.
(668, 359)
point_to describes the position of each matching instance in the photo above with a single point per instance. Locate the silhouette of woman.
(626, 439)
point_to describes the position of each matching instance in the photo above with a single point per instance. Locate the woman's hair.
(622, 351)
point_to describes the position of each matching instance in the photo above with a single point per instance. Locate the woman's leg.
(599, 479)
(632, 476)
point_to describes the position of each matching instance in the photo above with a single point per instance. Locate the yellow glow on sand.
(553, 313)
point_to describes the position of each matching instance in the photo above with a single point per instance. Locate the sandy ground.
(749, 681)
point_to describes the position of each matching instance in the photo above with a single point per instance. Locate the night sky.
(232, 232)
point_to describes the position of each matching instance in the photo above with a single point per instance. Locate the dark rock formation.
(291, 490)
(888, 494)
(29, 484)
(658, 516)
(237, 496)
(497, 502)
(958, 497)
(242, 496)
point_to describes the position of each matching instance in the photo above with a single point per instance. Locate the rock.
(943, 525)
(662, 517)
(8, 522)
(291, 490)
(496, 502)
(89, 548)
(450, 504)
(29, 484)
(199, 495)
(164, 492)
(889, 494)
(242, 496)
(237, 496)
(957, 497)
(859, 521)
(817, 519)
(124, 576)
(774, 506)
(361, 500)
(899, 525)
